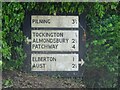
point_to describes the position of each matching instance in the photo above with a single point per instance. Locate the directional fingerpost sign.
(54, 44)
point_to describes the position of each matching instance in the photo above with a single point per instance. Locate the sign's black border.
(27, 47)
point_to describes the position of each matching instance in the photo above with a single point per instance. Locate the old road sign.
(53, 45)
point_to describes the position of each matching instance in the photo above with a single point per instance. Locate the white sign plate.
(54, 21)
(55, 40)
(54, 62)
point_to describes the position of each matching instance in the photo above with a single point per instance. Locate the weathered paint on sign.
(54, 21)
(55, 40)
(54, 62)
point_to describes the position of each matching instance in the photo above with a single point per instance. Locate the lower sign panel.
(54, 62)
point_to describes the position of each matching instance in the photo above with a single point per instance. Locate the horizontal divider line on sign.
(56, 52)
(44, 28)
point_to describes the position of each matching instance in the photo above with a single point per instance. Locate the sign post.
(54, 44)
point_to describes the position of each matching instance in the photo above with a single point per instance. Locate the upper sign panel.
(54, 21)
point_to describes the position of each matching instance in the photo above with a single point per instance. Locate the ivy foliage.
(103, 45)
(103, 50)
(12, 36)
(103, 36)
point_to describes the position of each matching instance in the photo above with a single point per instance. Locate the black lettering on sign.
(37, 65)
(50, 40)
(73, 58)
(47, 34)
(43, 21)
(43, 59)
(76, 34)
(73, 46)
(44, 46)
(74, 66)
(73, 40)
(74, 21)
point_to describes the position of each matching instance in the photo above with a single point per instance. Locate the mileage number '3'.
(74, 21)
